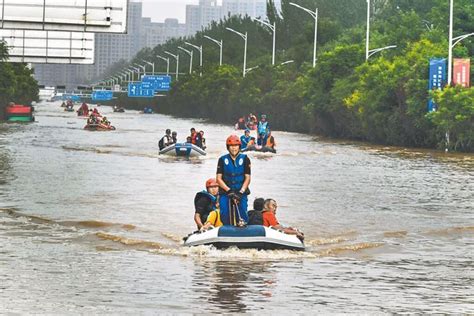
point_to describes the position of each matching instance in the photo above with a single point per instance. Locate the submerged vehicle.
(183, 150)
(19, 113)
(251, 236)
(99, 127)
(260, 149)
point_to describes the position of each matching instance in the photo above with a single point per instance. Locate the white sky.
(159, 10)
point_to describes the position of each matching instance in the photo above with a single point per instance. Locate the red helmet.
(211, 183)
(233, 140)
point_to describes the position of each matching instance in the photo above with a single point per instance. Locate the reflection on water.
(93, 223)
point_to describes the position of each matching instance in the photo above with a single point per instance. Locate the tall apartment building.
(201, 15)
(159, 33)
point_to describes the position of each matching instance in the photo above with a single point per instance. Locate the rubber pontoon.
(183, 150)
(260, 149)
(252, 236)
(99, 127)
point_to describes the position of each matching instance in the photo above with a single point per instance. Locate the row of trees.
(383, 100)
(16, 82)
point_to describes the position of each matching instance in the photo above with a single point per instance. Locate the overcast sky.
(159, 10)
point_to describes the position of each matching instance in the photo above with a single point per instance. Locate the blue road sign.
(136, 90)
(72, 97)
(160, 83)
(102, 95)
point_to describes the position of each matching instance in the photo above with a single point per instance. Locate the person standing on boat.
(233, 177)
(205, 202)
(263, 130)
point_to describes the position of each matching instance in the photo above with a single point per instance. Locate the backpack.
(255, 218)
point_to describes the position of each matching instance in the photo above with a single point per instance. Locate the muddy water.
(93, 221)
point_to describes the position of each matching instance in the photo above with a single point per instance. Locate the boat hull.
(252, 236)
(183, 150)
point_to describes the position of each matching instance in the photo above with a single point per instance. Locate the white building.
(252, 8)
(201, 15)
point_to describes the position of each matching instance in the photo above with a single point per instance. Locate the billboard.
(108, 16)
(49, 47)
(461, 72)
(437, 79)
(158, 83)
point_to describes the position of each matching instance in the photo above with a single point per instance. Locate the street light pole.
(315, 16)
(167, 63)
(218, 43)
(273, 28)
(244, 36)
(152, 66)
(375, 51)
(177, 62)
(199, 48)
(450, 42)
(142, 67)
(190, 53)
(367, 37)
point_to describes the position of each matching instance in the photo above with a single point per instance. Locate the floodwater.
(92, 222)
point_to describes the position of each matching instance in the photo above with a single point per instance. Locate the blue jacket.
(234, 174)
(244, 140)
(263, 128)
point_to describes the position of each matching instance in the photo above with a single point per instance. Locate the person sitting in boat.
(63, 105)
(245, 139)
(189, 140)
(270, 220)
(255, 215)
(174, 137)
(233, 176)
(105, 121)
(83, 110)
(263, 130)
(214, 219)
(92, 119)
(270, 141)
(193, 135)
(240, 123)
(200, 140)
(205, 202)
(166, 140)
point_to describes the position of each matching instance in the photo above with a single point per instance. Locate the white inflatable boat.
(183, 149)
(252, 236)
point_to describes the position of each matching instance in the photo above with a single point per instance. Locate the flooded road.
(93, 221)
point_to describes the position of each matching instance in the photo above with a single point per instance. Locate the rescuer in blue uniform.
(263, 129)
(233, 177)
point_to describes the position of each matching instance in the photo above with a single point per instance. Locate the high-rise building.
(252, 8)
(159, 33)
(201, 15)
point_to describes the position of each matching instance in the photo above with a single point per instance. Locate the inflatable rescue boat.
(252, 236)
(183, 150)
(259, 149)
(99, 127)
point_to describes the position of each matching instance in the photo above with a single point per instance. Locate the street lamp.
(375, 51)
(152, 66)
(199, 48)
(244, 36)
(251, 68)
(177, 62)
(273, 28)
(453, 42)
(218, 43)
(190, 53)
(142, 67)
(133, 69)
(167, 63)
(370, 52)
(315, 16)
